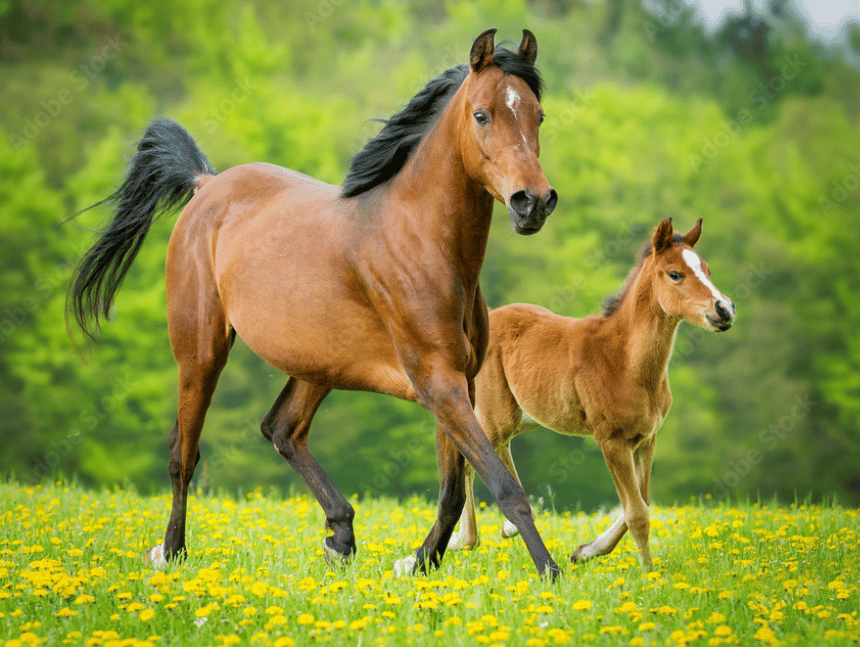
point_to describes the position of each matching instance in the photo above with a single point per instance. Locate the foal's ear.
(528, 47)
(662, 238)
(692, 236)
(482, 51)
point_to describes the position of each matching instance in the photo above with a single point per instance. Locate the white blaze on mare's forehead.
(512, 100)
(695, 263)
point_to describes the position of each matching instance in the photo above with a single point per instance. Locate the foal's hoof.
(509, 530)
(335, 557)
(155, 557)
(583, 553)
(458, 542)
(405, 566)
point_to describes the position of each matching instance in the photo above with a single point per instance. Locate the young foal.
(602, 375)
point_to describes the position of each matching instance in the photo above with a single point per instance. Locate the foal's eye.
(541, 117)
(675, 276)
(482, 117)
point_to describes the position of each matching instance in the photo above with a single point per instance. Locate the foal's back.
(566, 374)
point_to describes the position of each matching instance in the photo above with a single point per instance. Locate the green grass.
(71, 573)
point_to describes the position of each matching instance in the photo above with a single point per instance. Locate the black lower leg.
(452, 498)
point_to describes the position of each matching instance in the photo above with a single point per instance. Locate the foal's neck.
(649, 331)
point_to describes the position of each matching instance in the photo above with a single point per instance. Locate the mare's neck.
(445, 204)
(649, 333)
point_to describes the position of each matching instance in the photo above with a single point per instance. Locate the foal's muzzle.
(724, 315)
(528, 210)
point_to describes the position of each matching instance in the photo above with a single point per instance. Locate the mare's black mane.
(384, 155)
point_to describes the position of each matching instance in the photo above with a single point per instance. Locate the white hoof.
(509, 530)
(403, 567)
(155, 557)
(456, 542)
(335, 557)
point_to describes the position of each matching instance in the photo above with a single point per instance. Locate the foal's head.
(498, 130)
(681, 279)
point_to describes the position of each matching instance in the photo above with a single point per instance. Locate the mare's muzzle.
(528, 210)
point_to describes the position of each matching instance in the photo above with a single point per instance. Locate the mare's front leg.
(286, 426)
(445, 393)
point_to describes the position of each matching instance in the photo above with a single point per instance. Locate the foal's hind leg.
(286, 427)
(199, 369)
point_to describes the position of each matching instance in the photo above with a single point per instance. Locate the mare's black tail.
(162, 176)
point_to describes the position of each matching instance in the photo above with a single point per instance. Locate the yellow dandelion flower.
(305, 619)
(581, 605)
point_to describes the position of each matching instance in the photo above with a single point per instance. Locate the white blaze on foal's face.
(695, 263)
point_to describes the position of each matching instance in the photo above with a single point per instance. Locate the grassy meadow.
(71, 573)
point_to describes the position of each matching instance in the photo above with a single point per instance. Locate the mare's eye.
(482, 117)
(675, 276)
(541, 117)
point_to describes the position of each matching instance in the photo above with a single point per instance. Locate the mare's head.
(681, 279)
(498, 129)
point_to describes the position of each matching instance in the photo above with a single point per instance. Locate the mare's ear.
(692, 236)
(482, 51)
(662, 238)
(528, 47)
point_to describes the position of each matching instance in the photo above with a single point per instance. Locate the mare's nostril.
(550, 201)
(723, 311)
(522, 202)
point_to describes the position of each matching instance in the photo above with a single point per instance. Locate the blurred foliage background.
(752, 126)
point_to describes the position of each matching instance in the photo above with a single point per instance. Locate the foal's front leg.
(623, 467)
(445, 393)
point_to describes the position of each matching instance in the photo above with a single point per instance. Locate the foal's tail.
(163, 173)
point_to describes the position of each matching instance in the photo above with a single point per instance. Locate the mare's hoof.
(335, 557)
(405, 566)
(155, 557)
(553, 572)
(509, 530)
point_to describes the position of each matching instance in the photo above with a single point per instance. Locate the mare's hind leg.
(452, 496)
(286, 427)
(199, 369)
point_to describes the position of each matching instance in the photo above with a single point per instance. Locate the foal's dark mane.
(384, 155)
(613, 302)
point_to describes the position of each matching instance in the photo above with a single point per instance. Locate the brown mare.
(603, 375)
(370, 286)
